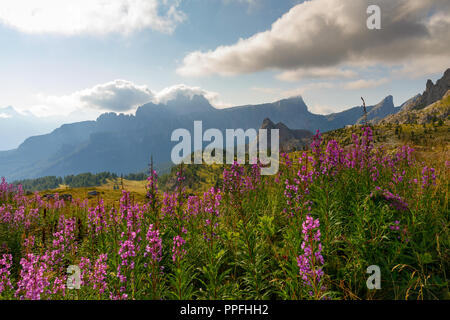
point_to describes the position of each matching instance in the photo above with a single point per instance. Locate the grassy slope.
(431, 142)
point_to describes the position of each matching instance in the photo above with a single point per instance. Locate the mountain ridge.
(123, 143)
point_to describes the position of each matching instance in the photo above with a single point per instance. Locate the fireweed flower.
(193, 206)
(333, 158)
(210, 205)
(398, 176)
(94, 276)
(98, 275)
(178, 252)
(131, 214)
(169, 205)
(153, 248)
(311, 260)
(130, 241)
(233, 179)
(395, 226)
(252, 181)
(28, 244)
(394, 200)
(5, 274)
(85, 270)
(63, 240)
(33, 280)
(152, 186)
(97, 219)
(297, 188)
(428, 177)
(404, 153)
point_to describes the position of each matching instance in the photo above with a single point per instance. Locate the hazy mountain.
(18, 126)
(378, 112)
(123, 143)
(290, 140)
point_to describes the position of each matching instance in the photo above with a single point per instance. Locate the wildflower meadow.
(308, 232)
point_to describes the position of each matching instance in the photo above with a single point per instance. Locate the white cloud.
(171, 93)
(365, 84)
(424, 66)
(321, 109)
(250, 3)
(279, 93)
(5, 116)
(315, 73)
(307, 88)
(117, 96)
(72, 17)
(323, 34)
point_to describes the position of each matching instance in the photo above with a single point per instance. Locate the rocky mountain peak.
(432, 93)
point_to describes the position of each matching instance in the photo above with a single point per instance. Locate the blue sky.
(55, 66)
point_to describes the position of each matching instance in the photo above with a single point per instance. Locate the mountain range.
(122, 143)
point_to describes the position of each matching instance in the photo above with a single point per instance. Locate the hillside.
(436, 112)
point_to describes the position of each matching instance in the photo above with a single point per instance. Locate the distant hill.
(290, 140)
(24, 125)
(123, 143)
(378, 112)
(437, 111)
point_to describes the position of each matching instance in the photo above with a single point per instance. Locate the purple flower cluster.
(154, 245)
(152, 187)
(311, 260)
(233, 179)
(394, 200)
(97, 222)
(5, 265)
(428, 177)
(210, 205)
(98, 276)
(34, 279)
(178, 252)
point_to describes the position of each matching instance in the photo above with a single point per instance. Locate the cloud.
(5, 116)
(315, 73)
(117, 96)
(283, 93)
(171, 93)
(324, 34)
(73, 17)
(427, 65)
(307, 88)
(321, 109)
(365, 84)
(250, 3)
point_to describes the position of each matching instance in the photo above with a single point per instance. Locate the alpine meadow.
(231, 158)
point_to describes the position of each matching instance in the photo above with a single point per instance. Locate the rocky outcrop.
(432, 93)
(290, 140)
(437, 111)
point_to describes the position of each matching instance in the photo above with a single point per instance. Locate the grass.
(251, 239)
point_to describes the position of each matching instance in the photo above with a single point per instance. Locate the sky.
(78, 58)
